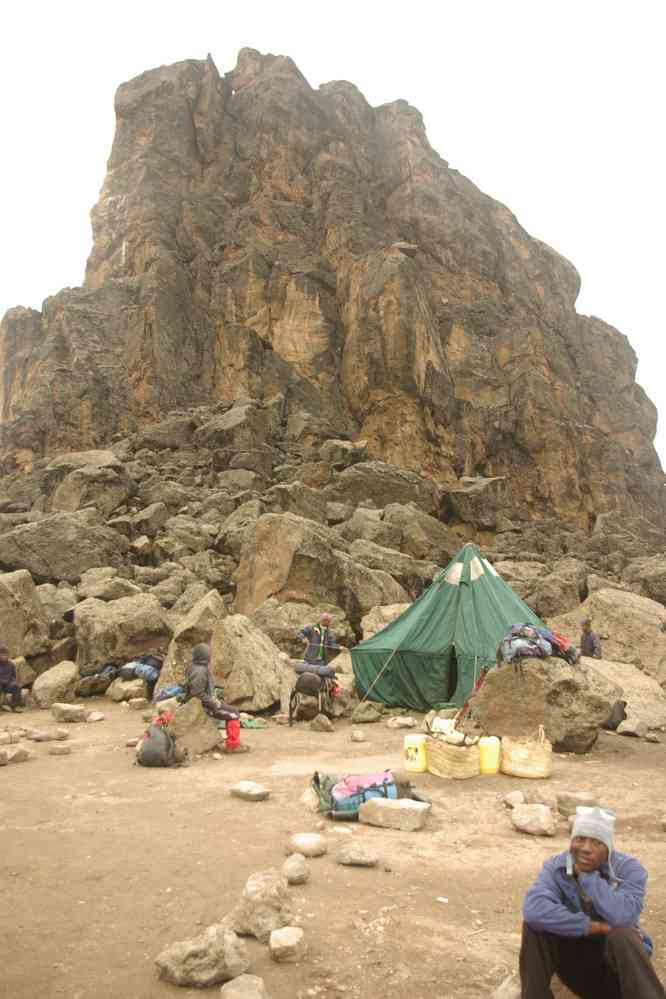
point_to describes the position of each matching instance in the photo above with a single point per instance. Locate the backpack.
(341, 799)
(128, 671)
(146, 672)
(173, 690)
(157, 748)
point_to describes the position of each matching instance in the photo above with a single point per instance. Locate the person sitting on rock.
(199, 683)
(589, 640)
(581, 920)
(319, 641)
(8, 684)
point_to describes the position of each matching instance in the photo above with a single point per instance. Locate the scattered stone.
(652, 737)
(126, 690)
(296, 870)
(322, 724)
(633, 727)
(366, 712)
(138, 703)
(357, 854)
(59, 750)
(388, 813)
(309, 844)
(245, 987)
(248, 790)
(265, 906)
(514, 798)
(310, 799)
(405, 721)
(357, 736)
(13, 754)
(5, 739)
(37, 736)
(537, 820)
(663, 823)
(568, 801)
(217, 955)
(69, 713)
(541, 796)
(281, 719)
(509, 989)
(56, 684)
(95, 716)
(287, 944)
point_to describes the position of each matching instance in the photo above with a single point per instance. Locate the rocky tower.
(258, 238)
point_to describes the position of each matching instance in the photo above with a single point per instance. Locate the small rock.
(663, 823)
(310, 799)
(133, 742)
(401, 721)
(537, 820)
(217, 756)
(309, 844)
(287, 944)
(217, 955)
(95, 716)
(366, 712)
(295, 869)
(5, 739)
(540, 796)
(245, 987)
(265, 905)
(69, 713)
(13, 754)
(138, 703)
(59, 750)
(633, 727)
(357, 854)
(509, 989)
(341, 831)
(322, 724)
(248, 790)
(652, 737)
(514, 798)
(357, 736)
(281, 719)
(389, 813)
(568, 801)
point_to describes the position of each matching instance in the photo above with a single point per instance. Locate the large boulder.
(105, 584)
(477, 500)
(216, 955)
(383, 483)
(560, 590)
(632, 628)
(421, 535)
(173, 432)
(297, 560)
(238, 527)
(369, 525)
(521, 576)
(412, 574)
(193, 729)
(63, 465)
(197, 626)
(246, 663)
(106, 488)
(56, 599)
(23, 622)
(241, 428)
(297, 498)
(119, 630)
(282, 622)
(646, 699)
(379, 617)
(571, 702)
(56, 685)
(183, 535)
(61, 547)
(647, 576)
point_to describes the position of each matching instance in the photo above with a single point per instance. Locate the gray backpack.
(157, 748)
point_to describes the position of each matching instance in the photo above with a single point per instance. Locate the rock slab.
(217, 955)
(249, 790)
(403, 814)
(245, 987)
(287, 944)
(295, 869)
(307, 844)
(69, 713)
(357, 855)
(537, 820)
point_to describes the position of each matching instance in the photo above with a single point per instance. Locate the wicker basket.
(459, 762)
(527, 757)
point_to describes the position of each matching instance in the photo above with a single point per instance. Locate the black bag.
(128, 671)
(617, 715)
(309, 684)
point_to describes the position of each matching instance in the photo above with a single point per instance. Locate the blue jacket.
(552, 904)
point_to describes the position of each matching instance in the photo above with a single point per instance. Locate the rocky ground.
(104, 863)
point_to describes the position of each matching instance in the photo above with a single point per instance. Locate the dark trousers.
(610, 966)
(13, 689)
(218, 709)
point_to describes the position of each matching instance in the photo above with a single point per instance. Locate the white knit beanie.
(597, 823)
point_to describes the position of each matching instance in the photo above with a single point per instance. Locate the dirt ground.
(103, 863)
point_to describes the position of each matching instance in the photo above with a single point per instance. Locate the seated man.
(319, 642)
(590, 643)
(199, 683)
(8, 684)
(581, 920)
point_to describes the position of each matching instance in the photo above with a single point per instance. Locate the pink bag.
(349, 786)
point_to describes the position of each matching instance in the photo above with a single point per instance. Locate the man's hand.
(596, 928)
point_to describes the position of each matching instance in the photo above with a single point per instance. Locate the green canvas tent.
(433, 653)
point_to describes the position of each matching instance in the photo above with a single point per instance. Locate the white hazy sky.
(554, 108)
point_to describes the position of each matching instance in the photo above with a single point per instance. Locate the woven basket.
(459, 762)
(527, 757)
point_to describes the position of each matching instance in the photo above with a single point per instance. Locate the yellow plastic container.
(490, 754)
(414, 753)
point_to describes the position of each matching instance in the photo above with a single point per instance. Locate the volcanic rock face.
(259, 239)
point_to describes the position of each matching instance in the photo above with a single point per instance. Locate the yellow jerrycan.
(489, 752)
(414, 754)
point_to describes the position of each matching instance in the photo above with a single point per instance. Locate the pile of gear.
(531, 641)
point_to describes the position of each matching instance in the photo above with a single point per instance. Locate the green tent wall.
(432, 654)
